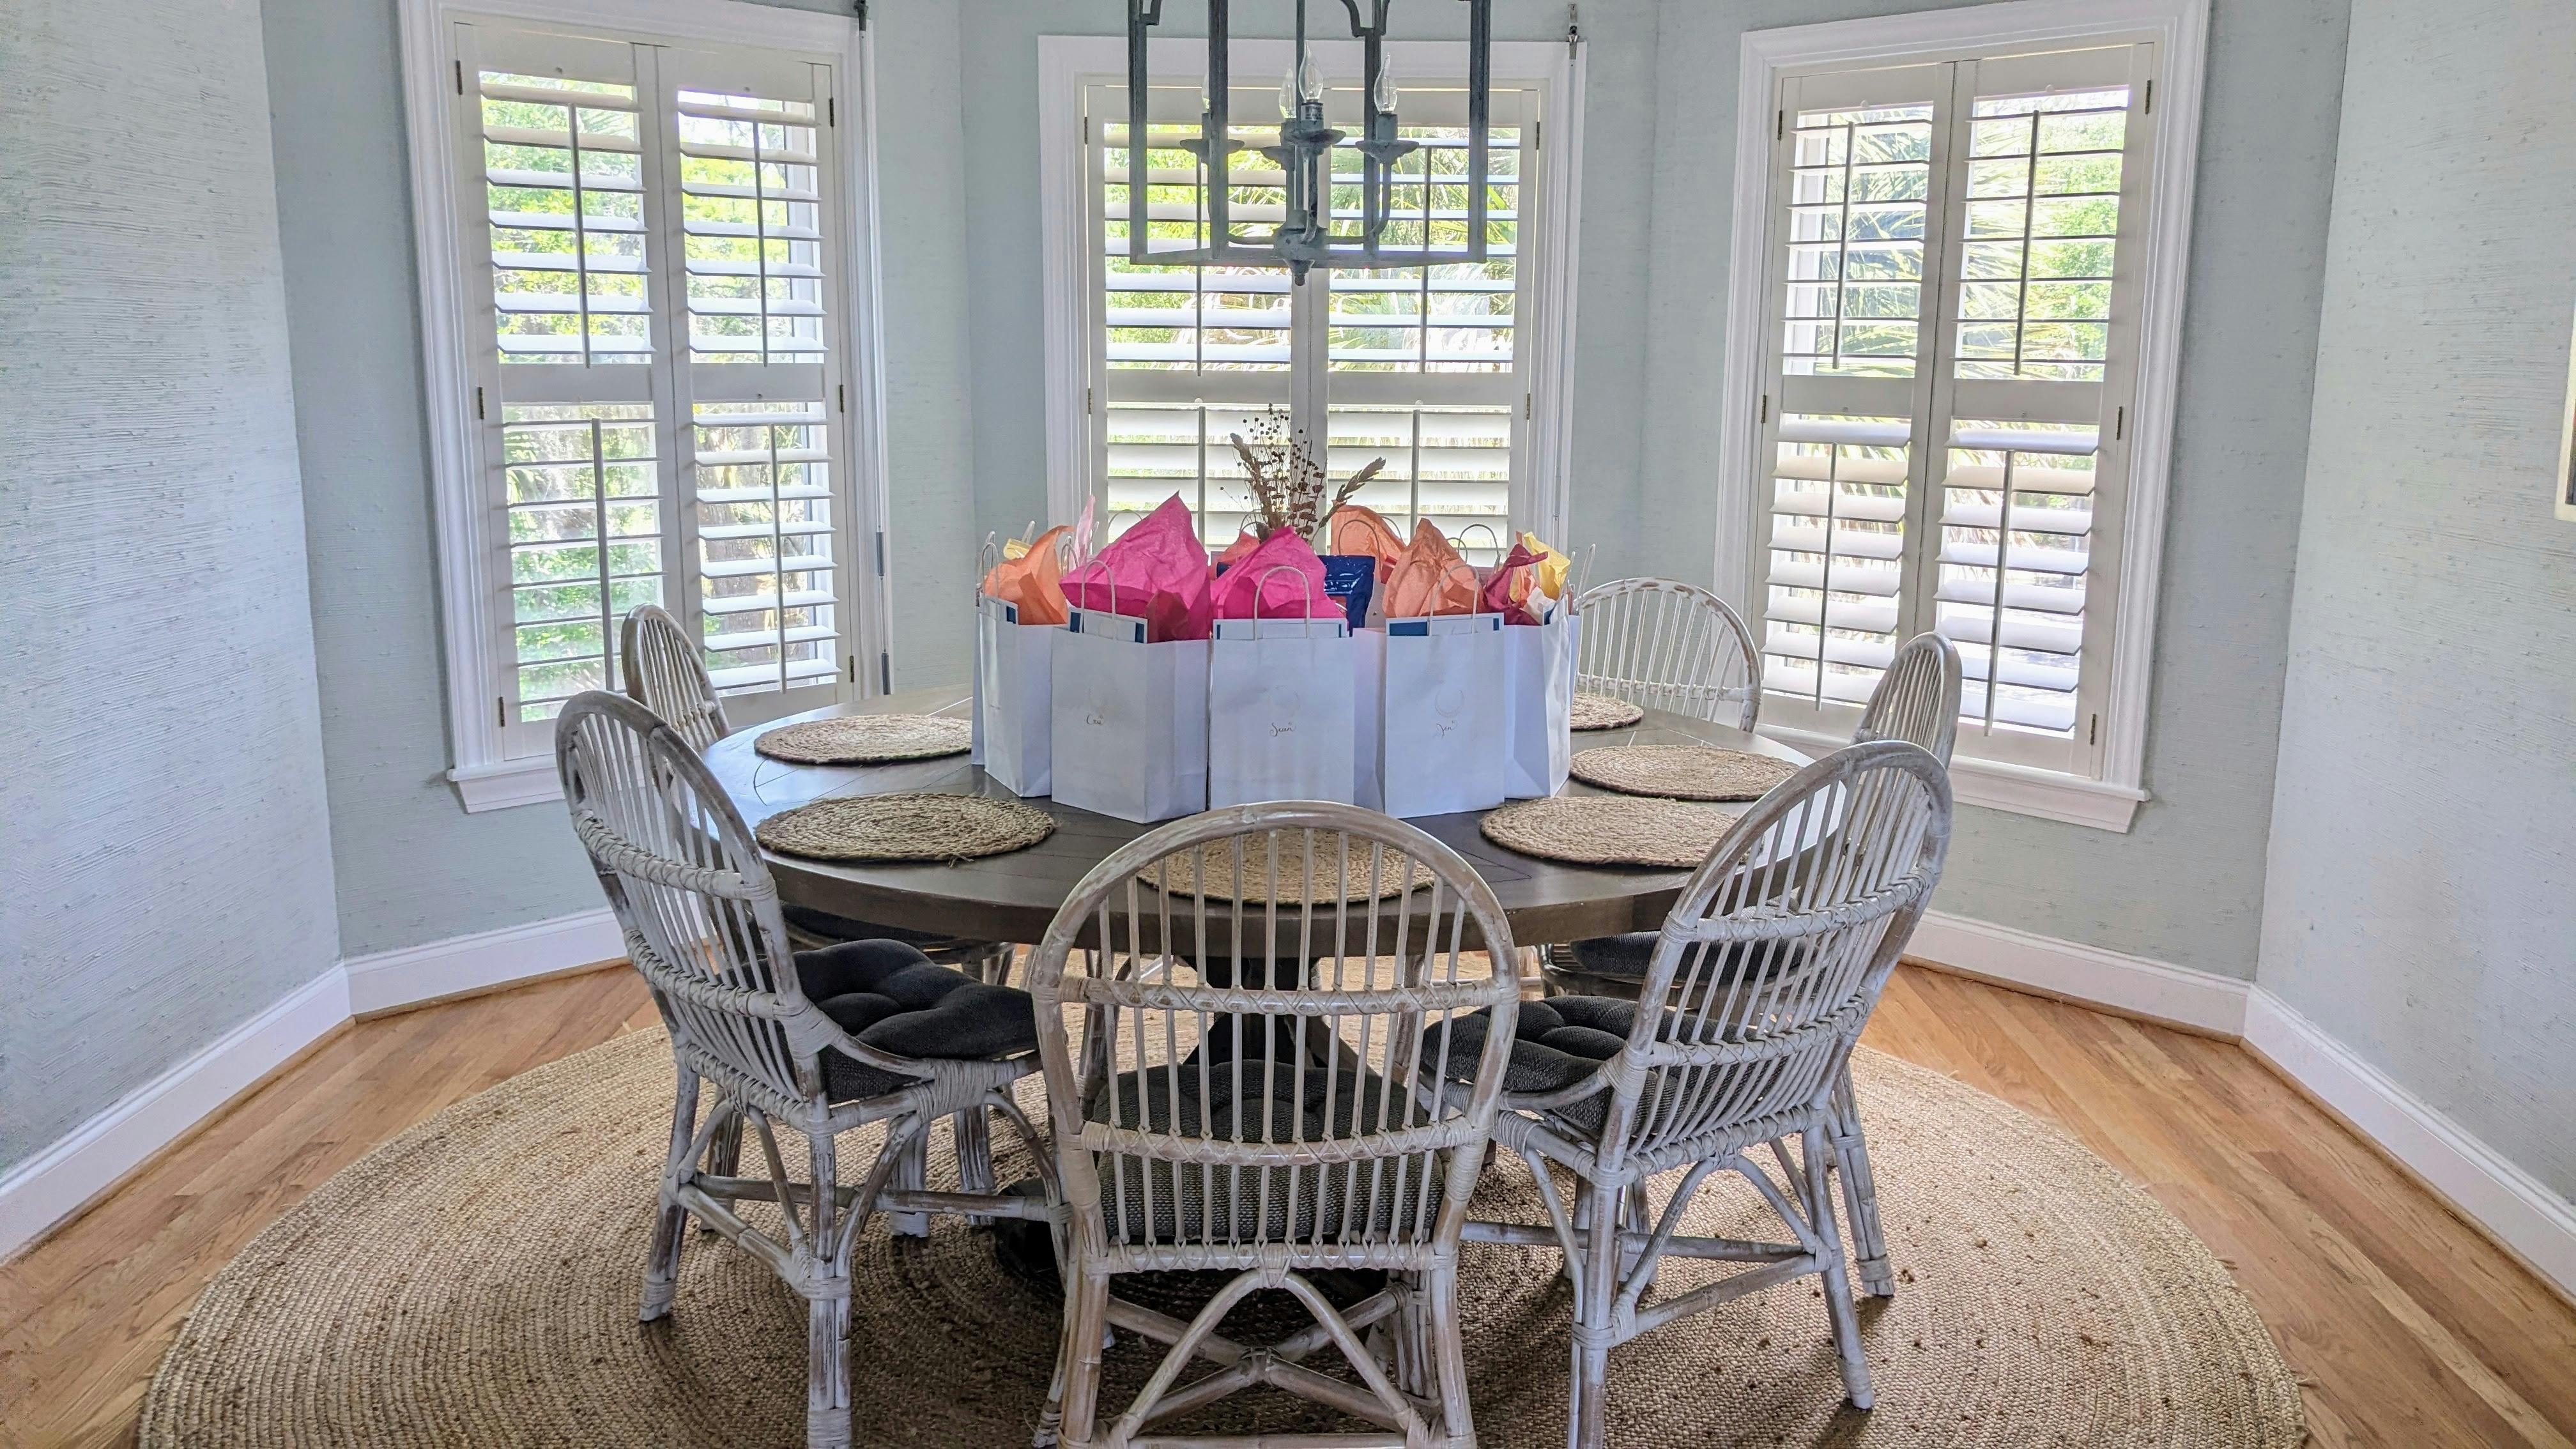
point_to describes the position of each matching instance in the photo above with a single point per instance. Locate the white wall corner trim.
(389, 980)
(59, 1181)
(486, 776)
(2181, 31)
(53, 1185)
(2085, 975)
(2517, 1210)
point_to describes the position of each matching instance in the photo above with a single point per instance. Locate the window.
(1438, 370)
(645, 241)
(1953, 407)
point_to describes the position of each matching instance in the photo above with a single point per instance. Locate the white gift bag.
(1538, 704)
(1014, 697)
(1130, 720)
(1281, 694)
(1368, 717)
(1441, 715)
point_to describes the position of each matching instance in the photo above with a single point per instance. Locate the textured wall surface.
(163, 835)
(413, 866)
(2422, 904)
(2185, 885)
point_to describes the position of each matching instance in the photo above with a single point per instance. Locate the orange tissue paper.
(1031, 580)
(1429, 578)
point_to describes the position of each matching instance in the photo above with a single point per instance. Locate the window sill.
(2019, 789)
(510, 783)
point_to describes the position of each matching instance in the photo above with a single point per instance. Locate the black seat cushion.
(1189, 1203)
(891, 997)
(1625, 958)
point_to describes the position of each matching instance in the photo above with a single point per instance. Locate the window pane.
(1857, 187)
(1836, 558)
(2016, 547)
(2045, 209)
(584, 524)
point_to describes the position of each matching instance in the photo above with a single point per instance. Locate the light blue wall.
(2185, 885)
(162, 830)
(413, 867)
(2422, 906)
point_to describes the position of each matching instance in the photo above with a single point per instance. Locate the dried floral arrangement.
(1290, 489)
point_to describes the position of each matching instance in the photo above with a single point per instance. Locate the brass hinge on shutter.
(2119, 424)
(1525, 407)
(501, 711)
(1086, 402)
(2093, 733)
(880, 553)
(1086, 130)
(885, 673)
(854, 669)
(1538, 130)
(843, 389)
(460, 77)
(1779, 125)
(831, 110)
(1763, 413)
(2150, 106)
(478, 404)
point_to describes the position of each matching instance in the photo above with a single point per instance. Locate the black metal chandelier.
(1305, 237)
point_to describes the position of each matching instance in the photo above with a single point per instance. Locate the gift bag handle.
(1263, 582)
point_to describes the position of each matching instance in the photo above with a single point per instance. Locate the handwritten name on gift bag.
(1440, 714)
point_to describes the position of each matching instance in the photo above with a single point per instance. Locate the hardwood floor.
(2405, 1325)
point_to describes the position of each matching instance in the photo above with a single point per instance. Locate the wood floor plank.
(2406, 1326)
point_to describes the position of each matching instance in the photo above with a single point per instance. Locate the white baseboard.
(2516, 1209)
(390, 980)
(38, 1194)
(2086, 975)
(59, 1181)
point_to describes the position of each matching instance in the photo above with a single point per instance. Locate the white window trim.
(2181, 30)
(484, 778)
(1068, 62)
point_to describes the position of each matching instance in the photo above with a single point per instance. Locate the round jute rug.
(475, 1281)
(867, 739)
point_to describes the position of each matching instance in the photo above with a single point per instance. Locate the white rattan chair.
(667, 674)
(1270, 1108)
(1660, 645)
(1669, 646)
(1917, 701)
(1764, 975)
(702, 926)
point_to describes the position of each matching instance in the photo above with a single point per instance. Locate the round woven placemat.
(1610, 830)
(911, 826)
(867, 739)
(1604, 712)
(474, 1282)
(1681, 772)
(1213, 865)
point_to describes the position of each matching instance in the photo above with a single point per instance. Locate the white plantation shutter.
(1954, 278)
(658, 396)
(1419, 366)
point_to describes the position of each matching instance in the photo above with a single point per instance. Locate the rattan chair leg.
(1860, 1194)
(912, 1174)
(671, 1220)
(1588, 1389)
(974, 1131)
(1819, 1204)
(1086, 1318)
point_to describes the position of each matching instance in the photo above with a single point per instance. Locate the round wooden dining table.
(1013, 897)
